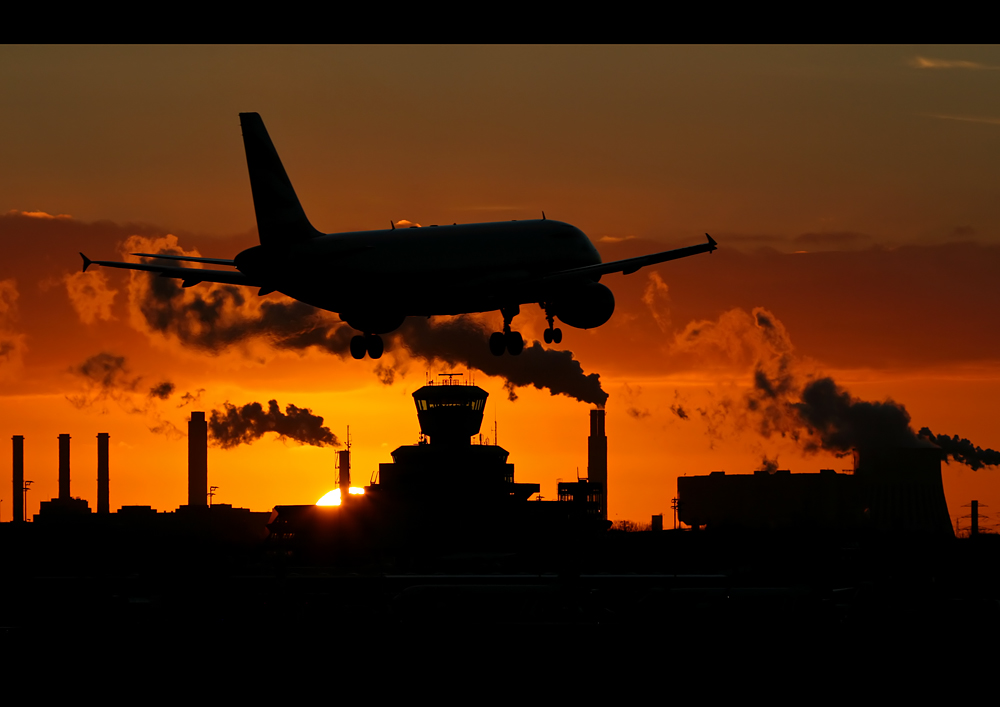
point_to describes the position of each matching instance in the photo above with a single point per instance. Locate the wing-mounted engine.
(586, 307)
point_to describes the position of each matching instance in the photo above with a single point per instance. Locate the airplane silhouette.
(375, 279)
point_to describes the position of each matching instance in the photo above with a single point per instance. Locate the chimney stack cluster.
(197, 469)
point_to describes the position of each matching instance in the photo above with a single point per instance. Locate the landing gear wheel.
(375, 346)
(551, 335)
(515, 342)
(359, 347)
(497, 343)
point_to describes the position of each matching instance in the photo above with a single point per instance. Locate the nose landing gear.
(507, 340)
(370, 344)
(552, 335)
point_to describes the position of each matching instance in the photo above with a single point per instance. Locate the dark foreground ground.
(625, 597)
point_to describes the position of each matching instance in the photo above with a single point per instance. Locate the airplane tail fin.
(280, 218)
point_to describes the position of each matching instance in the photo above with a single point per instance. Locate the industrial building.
(891, 490)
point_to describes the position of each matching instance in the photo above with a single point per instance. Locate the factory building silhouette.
(891, 490)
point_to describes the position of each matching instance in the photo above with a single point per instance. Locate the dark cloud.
(234, 425)
(162, 391)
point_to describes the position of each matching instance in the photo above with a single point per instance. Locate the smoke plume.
(214, 317)
(462, 341)
(962, 450)
(233, 426)
(106, 377)
(788, 399)
(162, 391)
(769, 465)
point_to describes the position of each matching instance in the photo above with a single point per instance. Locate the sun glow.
(333, 498)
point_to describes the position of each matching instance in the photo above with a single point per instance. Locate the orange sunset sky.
(853, 192)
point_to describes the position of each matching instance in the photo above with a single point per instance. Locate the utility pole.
(211, 493)
(27, 484)
(974, 517)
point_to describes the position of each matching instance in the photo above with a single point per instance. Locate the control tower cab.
(450, 414)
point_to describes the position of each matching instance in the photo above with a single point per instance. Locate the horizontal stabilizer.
(189, 258)
(190, 276)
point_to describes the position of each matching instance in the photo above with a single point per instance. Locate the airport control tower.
(446, 466)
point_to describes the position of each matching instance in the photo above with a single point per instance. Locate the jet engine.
(585, 307)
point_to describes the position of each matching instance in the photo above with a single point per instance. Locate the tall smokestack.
(597, 457)
(344, 461)
(197, 460)
(103, 475)
(18, 497)
(64, 494)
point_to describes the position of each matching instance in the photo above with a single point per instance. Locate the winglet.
(86, 262)
(711, 241)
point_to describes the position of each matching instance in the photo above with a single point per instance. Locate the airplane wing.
(190, 276)
(630, 265)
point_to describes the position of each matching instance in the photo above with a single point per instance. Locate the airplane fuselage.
(434, 270)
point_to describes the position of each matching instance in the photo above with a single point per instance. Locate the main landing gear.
(552, 335)
(370, 344)
(507, 340)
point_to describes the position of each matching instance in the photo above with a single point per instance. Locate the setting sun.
(333, 498)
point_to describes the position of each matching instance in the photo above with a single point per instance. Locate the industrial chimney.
(103, 476)
(64, 494)
(344, 463)
(597, 458)
(18, 497)
(197, 460)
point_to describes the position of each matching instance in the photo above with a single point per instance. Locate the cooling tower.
(902, 490)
